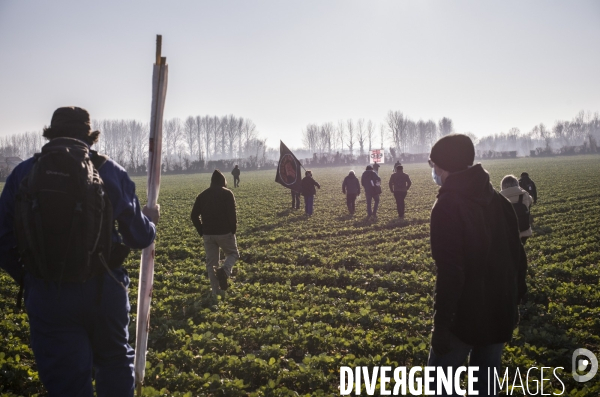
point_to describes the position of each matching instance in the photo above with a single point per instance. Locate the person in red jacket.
(215, 219)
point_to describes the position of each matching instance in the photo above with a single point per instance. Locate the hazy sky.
(284, 64)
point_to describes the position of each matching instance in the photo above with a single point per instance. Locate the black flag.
(289, 172)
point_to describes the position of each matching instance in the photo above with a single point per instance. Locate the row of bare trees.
(186, 143)
(583, 129)
(400, 132)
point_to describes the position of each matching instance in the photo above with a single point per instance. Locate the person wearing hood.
(215, 219)
(399, 184)
(521, 201)
(527, 184)
(351, 188)
(480, 262)
(372, 184)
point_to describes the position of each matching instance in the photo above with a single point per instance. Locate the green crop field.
(312, 294)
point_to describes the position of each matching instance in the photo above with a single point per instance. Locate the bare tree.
(445, 126)
(310, 137)
(398, 127)
(190, 133)
(327, 136)
(370, 133)
(249, 133)
(350, 135)
(361, 135)
(340, 133)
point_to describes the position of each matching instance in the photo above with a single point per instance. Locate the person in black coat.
(527, 184)
(399, 185)
(236, 176)
(480, 261)
(372, 184)
(309, 191)
(351, 188)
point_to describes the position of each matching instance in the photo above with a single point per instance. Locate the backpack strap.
(98, 160)
(520, 199)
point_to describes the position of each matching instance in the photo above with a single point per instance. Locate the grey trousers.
(228, 244)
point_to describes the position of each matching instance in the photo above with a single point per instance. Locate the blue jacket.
(135, 230)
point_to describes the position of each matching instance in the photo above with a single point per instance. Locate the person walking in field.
(309, 192)
(295, 199)
(521, 201)
(59, 208)
(527, 184)
(399, 184)
(480, 261)
(376, 167)
(351, 188)
(371, 182)
(215, 219)
(236, 176)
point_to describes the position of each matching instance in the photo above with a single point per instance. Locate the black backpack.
(522, 214)
(63, 217)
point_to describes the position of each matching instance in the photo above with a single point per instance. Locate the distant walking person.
(351, 188)
(309, 191)
(236, 176)
(527, 184)
(521, 201)
(215, 219)
(480, 262)
(376, 167)
(372, 184)
(295, 199)
(399, 185)
(396, 165)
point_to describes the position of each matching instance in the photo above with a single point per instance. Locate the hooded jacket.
(512, 194)
(214, 210)
(368, 181)
(527, 184)
(481, 264)
(351, 185)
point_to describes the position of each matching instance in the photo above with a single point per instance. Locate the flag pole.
(145, 285)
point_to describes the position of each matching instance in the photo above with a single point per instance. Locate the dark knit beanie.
(454, 152)
(217, 179)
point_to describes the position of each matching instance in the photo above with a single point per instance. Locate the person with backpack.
(351, 188)
(399, 185)
(527, 184)
(236, 176)
(372, 184)
(521, 201)
(58, 242)
(480, 263)
(309, 192)
(215, 219)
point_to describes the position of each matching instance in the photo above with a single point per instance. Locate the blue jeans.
(77, 328)
(308, 204)
(484, 357)
(370, 197)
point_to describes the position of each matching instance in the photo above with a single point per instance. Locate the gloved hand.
(152, 213)
(442, 340)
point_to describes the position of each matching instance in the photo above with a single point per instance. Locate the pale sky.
(488, 65)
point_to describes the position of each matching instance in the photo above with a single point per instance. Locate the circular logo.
(288, 173)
